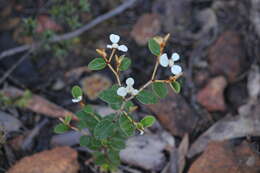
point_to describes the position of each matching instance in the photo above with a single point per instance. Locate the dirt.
(214, 38)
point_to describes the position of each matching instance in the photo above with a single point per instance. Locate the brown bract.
(57, 160)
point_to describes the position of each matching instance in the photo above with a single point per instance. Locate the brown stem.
(112, 54)
(115, 73)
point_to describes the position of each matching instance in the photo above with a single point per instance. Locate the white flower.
(165, 62)
(76, 100)
(129, 89)
(115, 39)
(141, 132)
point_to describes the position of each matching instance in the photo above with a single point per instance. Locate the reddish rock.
(93, 85)
(212, 95)
(147, 26)
(38, 104)
(175, 114)
(46, 23)
(224, 157)
(57, 160)
(226, 55)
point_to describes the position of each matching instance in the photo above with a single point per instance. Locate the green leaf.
(160, 89)
(117, 143)
(146, 97)
(68, 119)
(76, 91)
(100, 158)
(97, 64)
(88, 109)
(104, 129)
(126, 125)
(110, 96)
(125, 64)
(113, 156)
(115, 106)
(154, 47)
(176, 86)
(90, 142)
(129, 105)
(61, 128)
(85, 141)
(87, 120)
(147, 121)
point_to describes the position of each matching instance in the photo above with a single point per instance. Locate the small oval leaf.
(126, 125)
(176, 86)
(104, 129)
(160, 89)
(97, 64)
(125, 64)
(147, 121)
(76, 91)
(147, 97)
(154, 47)
(61, 128)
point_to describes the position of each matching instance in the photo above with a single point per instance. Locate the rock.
(44, 23)
(178, 156)
(93, 85)
(176, 17)
(247, 123)
(9, 122)
(147, 26)
(254, 15)
(234, 99)
(58, 85)
(253, 82)
(38, 104)
(57, 160)
(10, 24)
(225, 157)
(145, 151)
(175, 114)
(212, 95)
(226, 55)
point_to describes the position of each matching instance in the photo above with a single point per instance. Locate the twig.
(112, 13)
(28, 141)
(9, 71)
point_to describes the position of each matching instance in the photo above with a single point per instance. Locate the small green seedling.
(107, 135)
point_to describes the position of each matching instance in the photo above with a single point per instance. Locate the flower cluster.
(115, 39)
(165, 62)
(107, 134)
(129, 89)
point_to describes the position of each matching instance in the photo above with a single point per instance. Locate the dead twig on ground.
(99, 19)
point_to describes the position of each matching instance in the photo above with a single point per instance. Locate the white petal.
(135, 92)
(141, 132)
(175, 56)
(109, 46)
(76, 100)
(123, 48)
(121, 91)
(115, 45)
(164, 61)
(114, 38)
(176, 69)
(129, 88)
(130, 81)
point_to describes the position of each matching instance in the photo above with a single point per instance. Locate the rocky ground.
(212, 126)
